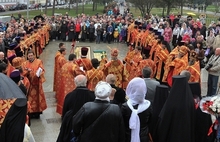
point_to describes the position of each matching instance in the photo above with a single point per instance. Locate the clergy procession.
(153, 94)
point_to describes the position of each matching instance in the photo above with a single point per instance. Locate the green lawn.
(211, 8)
(136, 12)
(71, 12)
(158, 11)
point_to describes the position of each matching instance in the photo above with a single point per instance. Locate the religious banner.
(99, 54)
(77, 52)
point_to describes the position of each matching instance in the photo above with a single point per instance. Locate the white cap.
(103, 90)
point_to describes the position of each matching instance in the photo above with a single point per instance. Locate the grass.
(211, 8)
(100, 8)
(158, 11)
(72, 12)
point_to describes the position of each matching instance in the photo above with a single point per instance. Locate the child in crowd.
(122, 34)
(104, 36)
(116, 35)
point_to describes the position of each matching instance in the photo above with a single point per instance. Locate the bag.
(208, 67)
(202, 64)
(80, 35)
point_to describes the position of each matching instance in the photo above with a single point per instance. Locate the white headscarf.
(136, 91)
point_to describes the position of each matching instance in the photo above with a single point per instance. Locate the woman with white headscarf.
(136, 112)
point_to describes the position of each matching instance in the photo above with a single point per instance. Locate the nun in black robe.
(177, 118)
(12, 129)
(203, 121)
(71, 32)
(63, 30)
(161, 94)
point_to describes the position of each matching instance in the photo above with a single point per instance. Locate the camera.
(208, 66)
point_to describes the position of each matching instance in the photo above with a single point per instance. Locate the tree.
(53, 9)
(143, 6)
(45, 12)
(169, 4)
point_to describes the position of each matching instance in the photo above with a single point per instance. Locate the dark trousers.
(77, 36)
(98, 38)
(212, 85)
(174, 41)
(109, 37)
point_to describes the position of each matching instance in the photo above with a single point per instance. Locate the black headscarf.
(161, 94)
(12, 129)
(196, 89)
(176, 119)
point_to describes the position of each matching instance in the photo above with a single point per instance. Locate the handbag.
(80, 35)
(202, 64)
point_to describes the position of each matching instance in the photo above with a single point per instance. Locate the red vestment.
(68, 72)
(93, 77)
(35, 95)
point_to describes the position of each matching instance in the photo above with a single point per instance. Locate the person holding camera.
(213, 68)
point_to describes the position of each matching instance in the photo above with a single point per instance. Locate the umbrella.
(190, 13)
(38, 17)
(8, 89)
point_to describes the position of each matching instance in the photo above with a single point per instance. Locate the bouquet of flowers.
(211, 105)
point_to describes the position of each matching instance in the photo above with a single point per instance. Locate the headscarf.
(136, 91)
(161, 94)
(12, 129)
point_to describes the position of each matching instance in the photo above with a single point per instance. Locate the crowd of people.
(136, 99)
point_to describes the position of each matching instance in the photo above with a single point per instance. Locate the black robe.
(84, 33)
(176, 122)
(161, 94)
(64, 30)
(76, 99)
(12, 129)
(71, 32)
(72, 104)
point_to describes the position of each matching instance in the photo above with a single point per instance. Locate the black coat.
(144, 122)
(64, 30)
(84, 32)
(119, 97)
(99, 121)
(76, 99)
(71, 32)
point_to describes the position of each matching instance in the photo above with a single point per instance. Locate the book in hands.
(39, 71)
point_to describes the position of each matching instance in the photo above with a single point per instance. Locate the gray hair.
(146, 72)
(80, 80)
(186, 73)
(110, 79)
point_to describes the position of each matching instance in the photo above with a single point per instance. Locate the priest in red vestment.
(34, 71)
(56, 69)
(68, 72)
(94, 75)
(116, 67)
(84, 62)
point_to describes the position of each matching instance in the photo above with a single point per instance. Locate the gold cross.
(104, 54)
